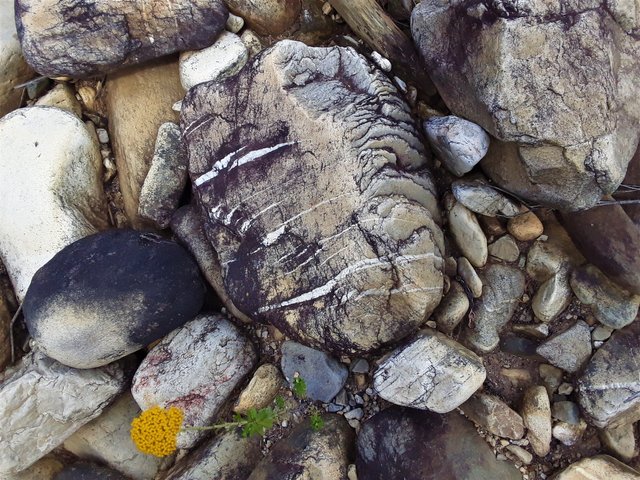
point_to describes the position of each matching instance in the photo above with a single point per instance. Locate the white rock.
(252, 42)
(13, 68)
(234, 23)
(470, 277)
(195, 368)
(459, 143)
(221, 60)
(43, 402)
(51, 177)
(431, 373)
(108, 440)
(468, 234)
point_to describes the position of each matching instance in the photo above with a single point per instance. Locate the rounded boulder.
(110, 294)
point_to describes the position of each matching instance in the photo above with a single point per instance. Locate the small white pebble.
(103, 135)
(234, 23)
(382, 62)
(177, 107)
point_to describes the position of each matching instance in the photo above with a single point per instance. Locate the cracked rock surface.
(553, 81)
(43, 402)
(84, 39)
(432, 372)
(194, 368)
(312, 181)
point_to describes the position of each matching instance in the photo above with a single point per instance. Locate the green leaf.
(258, 421)
(316, 421)
(279, 402)
(299, 387)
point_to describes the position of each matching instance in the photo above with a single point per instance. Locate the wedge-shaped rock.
(42, 402)
(312, 180)
(82, 39)
(431, 373)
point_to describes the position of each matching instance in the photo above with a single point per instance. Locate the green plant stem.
(216, 427)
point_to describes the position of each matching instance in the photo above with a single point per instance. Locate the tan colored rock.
(620, 441)
(44, 469)
(525, 227)
(261, 390)
(600, 467)
(64, 97)
(536, 413)
(13, 68)
(468, 234)
(452, 308)
(266, 17)
(493, 414)
(470, 277)
(139, 100)
(505, 248)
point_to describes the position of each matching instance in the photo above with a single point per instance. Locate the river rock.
(229, 456)
(305, 453)
(138, 100)
(552, 297)
(107, 439)
(403, 443)
(267, 17)
(468, 234)
(110, 294)
(221, 60)
(47, 468)
(14, 68)
(261, 390)
(452, 309)
(63, 38)
(505, 248)
(536, 414)
(503, 286)
(570, 349)
(62, 96)
(323, 375)
(194, 368)
(89, 471)
(483, 199)
(458, 143)
(609, 389)
(43, 402)
(470, 277)
(569, 433)
(494, 415)
(51, 169)
(167, 177)
(525, 227)
(620, 441)
(350, 258)
(611, 305)
(535, 75)
(432, 372)
(600, 467)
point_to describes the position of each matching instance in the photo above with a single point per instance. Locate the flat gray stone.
(570, 349)
(481, 198)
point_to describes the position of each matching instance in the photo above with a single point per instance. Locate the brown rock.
(139, 100)
(83, 39)
(536, 413)
(601, 467)
(266, 17)
(493, 414)
(525, 227)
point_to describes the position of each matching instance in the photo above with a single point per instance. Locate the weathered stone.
(620, 441)
(452, 308)
(459, 143)
(252, 42)
(609, 389)
(14, 69)
(468, 234)
(532, 330)
(46, 468)
(403, 443)
(536, 414)
(503, 286)
(229, 456)
(470, 277)
(62, 96)
(187, 224)
(432, 372)
(570, 349)
(51, 169)
(261, 390)
(61, 37)
(552, 297)
(138, 101)
(536, 74)
(323, 375)
(497, 417)
(107, 439)
(110, 294)
(305, 453)
(601, 333)
(234, 23)
(221, 60)
(569, 433)
(267, 17)
(566, 411)
(194, 368)
(43, 402)
(600, 467)
(611, 305)
(89, 471)
(525, 227)
(483, 199)
(167, 176)
(505, 248)
(551, 376)
(520, 454)
(350, 258)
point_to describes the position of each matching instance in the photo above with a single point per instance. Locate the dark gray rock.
(110, 294)
(305, 453)
(83, 39)
(312, 181)
(88, 471)
(323, 375)
(402, 443)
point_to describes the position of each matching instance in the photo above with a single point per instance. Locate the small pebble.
(565, 389)
(382, 62)
(234, 23)
(103, 135)
(525, 227)
(356, 413)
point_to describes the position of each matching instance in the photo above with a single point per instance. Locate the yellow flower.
(154, 432)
